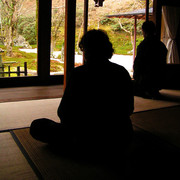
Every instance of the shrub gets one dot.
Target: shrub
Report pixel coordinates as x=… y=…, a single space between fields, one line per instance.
x=27 y=28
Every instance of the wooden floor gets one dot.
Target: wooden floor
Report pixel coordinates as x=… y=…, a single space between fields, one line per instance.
x=30 y=93
x=56 y=91
x=14 y=163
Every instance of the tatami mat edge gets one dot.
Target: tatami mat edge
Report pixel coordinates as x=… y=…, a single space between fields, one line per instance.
x=35 y=169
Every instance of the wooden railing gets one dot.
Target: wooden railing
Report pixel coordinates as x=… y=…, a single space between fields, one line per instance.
x=9 y=72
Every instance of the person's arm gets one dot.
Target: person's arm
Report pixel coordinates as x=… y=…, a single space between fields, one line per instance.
x=66 y=104
x=138 y=62
x=130 y=96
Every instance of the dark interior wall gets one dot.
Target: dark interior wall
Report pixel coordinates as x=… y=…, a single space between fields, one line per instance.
x=173 y=70
x=178 y=39
x=172 y=76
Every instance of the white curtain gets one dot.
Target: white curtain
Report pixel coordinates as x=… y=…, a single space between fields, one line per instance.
x=171 y=17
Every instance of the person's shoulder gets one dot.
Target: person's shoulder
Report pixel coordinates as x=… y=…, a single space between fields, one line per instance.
x=114 y=65
x=116 y=68
x=142 y=44
x=79 y=69
x=148 y=42
x=163 y=45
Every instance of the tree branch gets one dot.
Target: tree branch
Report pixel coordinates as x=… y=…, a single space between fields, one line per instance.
x=130 y=32
x=123 y=27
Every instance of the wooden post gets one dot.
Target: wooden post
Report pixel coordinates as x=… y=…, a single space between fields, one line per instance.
x=9 y=71
x=135 y=31
x=25 y=68
x=86 y=5
x=44 y=39
x=157 y=15
x=2 y=70
x=69 y=44
x=18 y=70
x=147 y=10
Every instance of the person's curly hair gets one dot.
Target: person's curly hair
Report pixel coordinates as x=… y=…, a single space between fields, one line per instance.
x=96 y=44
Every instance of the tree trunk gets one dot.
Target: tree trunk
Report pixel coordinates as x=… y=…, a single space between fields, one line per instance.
x=9 y=41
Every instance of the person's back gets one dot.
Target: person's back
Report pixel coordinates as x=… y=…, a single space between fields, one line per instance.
x=152 y=55
x=98 y=104
x=98 y=100
x=149 y=64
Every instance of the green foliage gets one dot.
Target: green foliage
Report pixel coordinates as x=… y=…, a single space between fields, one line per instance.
x=56 y=66
x=121 y=42
x=115 y=27
x=108 y=21
x=20 y=57
x=27 y=28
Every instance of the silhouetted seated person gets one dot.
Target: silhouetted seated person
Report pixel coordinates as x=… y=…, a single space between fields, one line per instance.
x=96 y=106
x=149 y=64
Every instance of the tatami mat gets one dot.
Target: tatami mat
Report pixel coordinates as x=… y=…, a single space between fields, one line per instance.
x=57 y=167
x=148 y=158
x=164 y=123
x=157 y=123
x=142 y=104
x=13 y=164
x=20 y=114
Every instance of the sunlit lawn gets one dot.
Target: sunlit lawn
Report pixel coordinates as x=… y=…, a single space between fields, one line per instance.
x=19 y=57
x=121 y=43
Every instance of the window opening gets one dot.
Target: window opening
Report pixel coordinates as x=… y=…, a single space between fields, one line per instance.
x=18 y=38
x=112 y=17
x=57 y=37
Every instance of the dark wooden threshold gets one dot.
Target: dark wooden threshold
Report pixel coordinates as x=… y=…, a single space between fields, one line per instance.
x=30 y=93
